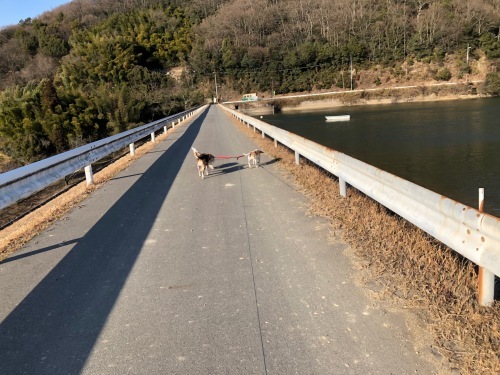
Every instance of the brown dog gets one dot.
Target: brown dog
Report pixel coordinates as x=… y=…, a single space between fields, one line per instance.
x=254 y=158
x=203 y=162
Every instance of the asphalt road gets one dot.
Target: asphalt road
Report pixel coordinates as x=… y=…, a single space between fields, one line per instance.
x=161 y=272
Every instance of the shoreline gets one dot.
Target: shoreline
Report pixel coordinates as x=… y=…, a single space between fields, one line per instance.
x=310 y=105
x=360 y=97
x=324 y=104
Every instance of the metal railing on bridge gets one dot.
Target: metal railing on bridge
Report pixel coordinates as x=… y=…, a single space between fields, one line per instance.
x=470 y=232
x=22 y=182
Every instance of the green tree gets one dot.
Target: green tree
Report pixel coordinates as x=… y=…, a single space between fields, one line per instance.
x=49 y=98
x=20 y=127
x=28 y=40
x=443 y=75
x=492 y=84
x=491 y=45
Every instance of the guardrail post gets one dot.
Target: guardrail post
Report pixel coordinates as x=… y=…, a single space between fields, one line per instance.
x=486 y=287
x=486 y=279
x=275 y=142
x=153 y=137
x=89 y=175
x=254 y=129
x=263 y=135
x=165 y=129
x=173 y=124
x=132 y=149
x=343 y=187
x=297 y=158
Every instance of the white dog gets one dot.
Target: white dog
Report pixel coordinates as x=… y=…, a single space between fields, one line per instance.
x=254 y=157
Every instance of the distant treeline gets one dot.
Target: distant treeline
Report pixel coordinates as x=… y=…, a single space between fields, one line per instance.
x=93 y=68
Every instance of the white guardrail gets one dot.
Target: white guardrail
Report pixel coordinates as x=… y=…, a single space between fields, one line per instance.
x=473 y=234
x=22 y=182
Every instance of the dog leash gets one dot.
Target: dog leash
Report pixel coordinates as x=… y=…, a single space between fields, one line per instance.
x=229 y=157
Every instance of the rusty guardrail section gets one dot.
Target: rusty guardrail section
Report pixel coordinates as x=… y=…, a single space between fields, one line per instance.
x=473 y=234
x=22 y=182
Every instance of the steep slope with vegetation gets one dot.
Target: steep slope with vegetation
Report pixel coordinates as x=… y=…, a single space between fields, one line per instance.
x=290 y=46
x=112 y=76
x=92 y=68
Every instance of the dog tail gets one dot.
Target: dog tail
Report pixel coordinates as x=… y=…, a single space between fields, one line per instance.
x=195 y=152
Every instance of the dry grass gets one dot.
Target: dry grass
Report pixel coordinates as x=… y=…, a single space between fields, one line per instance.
x=16 y=235
x=6 y=163
x=405 y=265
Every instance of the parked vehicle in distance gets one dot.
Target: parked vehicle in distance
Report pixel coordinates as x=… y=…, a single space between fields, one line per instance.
x=249 y=97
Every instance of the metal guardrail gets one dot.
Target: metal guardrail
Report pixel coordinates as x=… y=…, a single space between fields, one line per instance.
x=473 y=234
x=22 y=182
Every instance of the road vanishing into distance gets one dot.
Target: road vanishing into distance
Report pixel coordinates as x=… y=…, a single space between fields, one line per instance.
x=162 y=272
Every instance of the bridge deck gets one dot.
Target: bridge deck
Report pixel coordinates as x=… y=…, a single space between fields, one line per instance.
x=161 y=272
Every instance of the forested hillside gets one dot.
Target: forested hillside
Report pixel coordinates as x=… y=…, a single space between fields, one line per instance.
x=92 y=68
x=309 y=44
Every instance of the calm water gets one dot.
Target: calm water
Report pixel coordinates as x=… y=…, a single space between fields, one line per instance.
x=452 y=147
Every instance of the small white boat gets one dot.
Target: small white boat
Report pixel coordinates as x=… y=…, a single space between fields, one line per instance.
x=338 y=118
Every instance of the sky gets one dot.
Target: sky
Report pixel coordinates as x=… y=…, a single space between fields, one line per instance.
x=12 y=11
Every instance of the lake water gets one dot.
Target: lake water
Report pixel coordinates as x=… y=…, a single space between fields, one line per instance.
x=449 y=147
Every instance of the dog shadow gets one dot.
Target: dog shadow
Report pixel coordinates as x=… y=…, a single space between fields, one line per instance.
x=269 y=162
x=226 y=168
x=234 y=167
x=227 y=165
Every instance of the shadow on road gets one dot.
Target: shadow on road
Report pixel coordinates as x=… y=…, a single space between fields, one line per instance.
x=234 y=167
x=39 y=251
x=53 y=330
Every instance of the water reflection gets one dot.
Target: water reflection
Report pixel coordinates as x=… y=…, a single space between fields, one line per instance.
x=452 y=147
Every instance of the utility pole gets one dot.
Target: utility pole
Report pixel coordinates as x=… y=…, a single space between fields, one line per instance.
x=404 y=31
x=468 y=49
x=350 y=57
x=342 y=74
x=216 y=96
